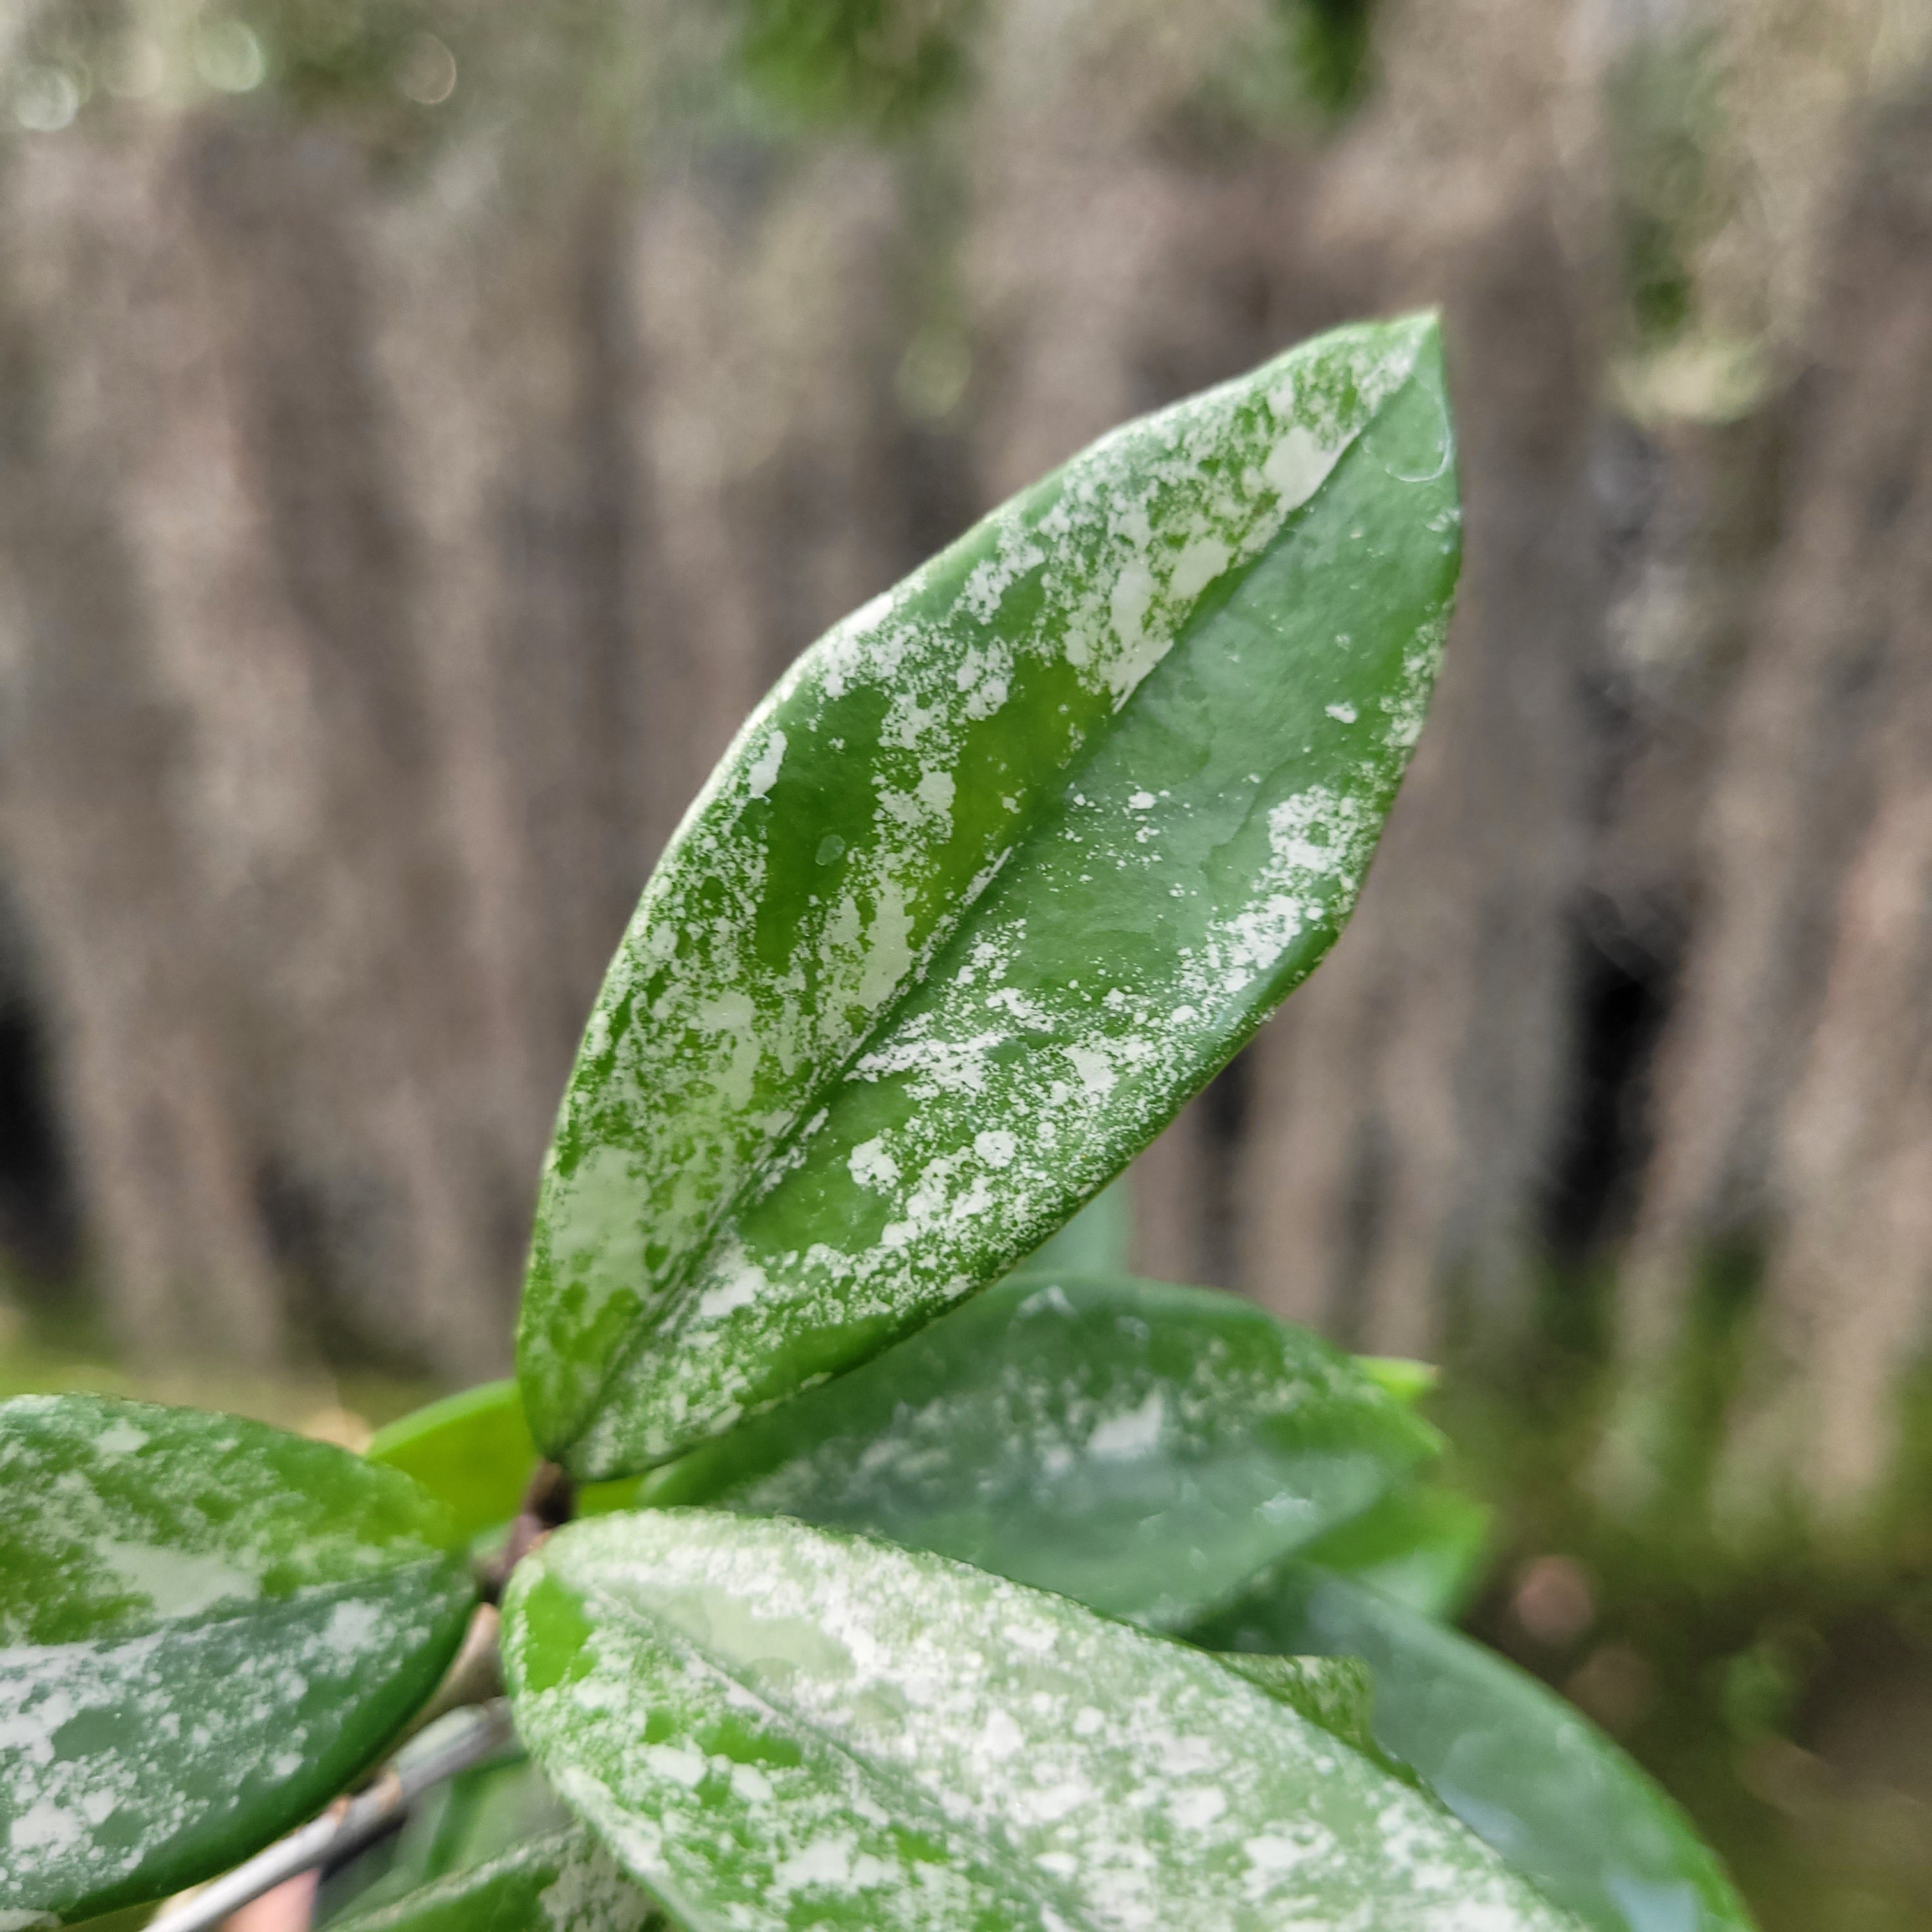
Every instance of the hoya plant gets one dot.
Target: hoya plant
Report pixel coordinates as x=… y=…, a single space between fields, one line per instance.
x=859 y=1544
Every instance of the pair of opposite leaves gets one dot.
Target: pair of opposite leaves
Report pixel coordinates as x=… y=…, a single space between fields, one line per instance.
x=1009 y=864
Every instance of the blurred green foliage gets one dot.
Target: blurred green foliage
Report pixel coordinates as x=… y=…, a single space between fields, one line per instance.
x=880 y=65
x=1329 y=43
x=1665 y=123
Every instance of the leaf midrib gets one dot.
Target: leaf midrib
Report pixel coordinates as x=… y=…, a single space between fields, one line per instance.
x=675 y=1294
x=234 y=1609
x=994 y=1854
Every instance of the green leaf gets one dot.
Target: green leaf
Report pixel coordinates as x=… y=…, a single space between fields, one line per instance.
x=1143 y=1448
x=1096 y=1241
x=775 y=1726
x=1423 y=1546
x=1521 y=1767
x=1336 y=1693
x=208 y=1627
x=563 y=1882
x=473 y=1452
x=1007 y=865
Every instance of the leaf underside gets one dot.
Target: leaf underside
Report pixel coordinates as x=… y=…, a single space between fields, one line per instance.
x=1007 y=867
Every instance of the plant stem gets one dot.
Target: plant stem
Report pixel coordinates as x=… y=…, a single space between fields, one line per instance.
x=460 y=1740
x=550 y=1501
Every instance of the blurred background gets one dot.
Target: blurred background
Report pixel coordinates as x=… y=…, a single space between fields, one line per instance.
x=426 y=426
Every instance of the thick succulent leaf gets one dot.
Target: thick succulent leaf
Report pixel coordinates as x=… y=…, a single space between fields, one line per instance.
x=775 y=1726
x=1521 y=1767
x=564 y=1881
x=473 y=1452
x=1423 y=1546
x=208 y=1627
x=1143 y=1448
x=1007 y=865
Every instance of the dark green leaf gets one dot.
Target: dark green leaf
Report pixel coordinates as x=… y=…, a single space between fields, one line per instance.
x=1424 y=1547
x=493 y=1850
x=1143 y=1448
x=775 y=1726
x=1007 y=866
x=1519 y=1766
x=208 y=1627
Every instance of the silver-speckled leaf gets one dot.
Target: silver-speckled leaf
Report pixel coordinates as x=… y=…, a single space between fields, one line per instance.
x=776 y=1726
x=208 y=1627
x=1142 y=1447
x=1006 y=866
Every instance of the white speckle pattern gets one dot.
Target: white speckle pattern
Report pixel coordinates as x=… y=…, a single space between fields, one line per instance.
x=173 y=1754
x=1086 y=1776
x=206 y=1626
x=773 y=1130
x=1143 y=1447
x=146 y=1514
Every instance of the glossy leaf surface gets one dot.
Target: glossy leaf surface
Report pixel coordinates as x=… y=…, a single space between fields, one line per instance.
x=1523 y=1767
x=207 y=1628
x=1421 y=1546
x=777 y=1727
x=1006 y=866
x=564 y=1881
x=1143 y=1448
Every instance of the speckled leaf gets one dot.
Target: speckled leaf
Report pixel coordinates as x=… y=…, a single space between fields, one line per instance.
x=775 y=1725
x=1335 y=1692
x=473 y=1452
x=1007 y=865
x=1143 y=1448
x=564 y=1881
x=1522 y=1767
x=207 y=1628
